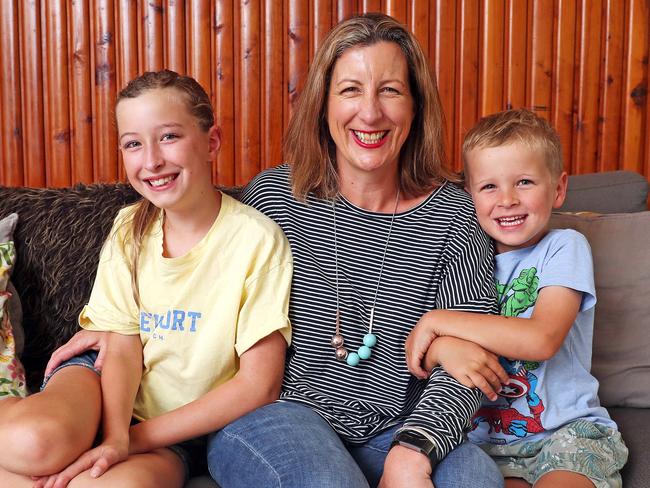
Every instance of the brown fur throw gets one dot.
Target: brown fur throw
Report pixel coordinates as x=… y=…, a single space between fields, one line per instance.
x=59 y=236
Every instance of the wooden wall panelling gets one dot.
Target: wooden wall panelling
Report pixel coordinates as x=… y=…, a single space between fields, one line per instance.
x=540 y=53
x=320 y=23
x=56 y=113
x=490 y=76
x=151 y=35
x=563 y=75
x=104 y=92
x=126 y=52
x=273 y=86
x=297 y=50
x=224 y=89
x=369 y=6
x=587 y=81
x=418 y=22
x=344 y=9
x=442 y=52
x=635 y=86
x=612 y=35
x=396 y=9
x=196 y=40
x=516 y=36
x=466 y=75
x=31 y=95
x=175 y=36
x=247 y=91
x=81 y=117
x=11 y=140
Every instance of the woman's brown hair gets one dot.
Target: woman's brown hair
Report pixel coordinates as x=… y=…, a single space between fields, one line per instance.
x=308 y=145
x=198 y=103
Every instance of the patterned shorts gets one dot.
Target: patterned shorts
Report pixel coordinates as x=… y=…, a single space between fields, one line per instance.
x=583 y=447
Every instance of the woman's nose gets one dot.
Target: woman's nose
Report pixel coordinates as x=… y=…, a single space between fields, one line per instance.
x=370 y=108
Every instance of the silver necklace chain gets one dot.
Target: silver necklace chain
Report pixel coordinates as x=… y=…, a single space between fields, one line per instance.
x=337 y=340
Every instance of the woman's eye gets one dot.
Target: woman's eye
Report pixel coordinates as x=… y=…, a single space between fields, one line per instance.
x=391 y=90
x=348 y=90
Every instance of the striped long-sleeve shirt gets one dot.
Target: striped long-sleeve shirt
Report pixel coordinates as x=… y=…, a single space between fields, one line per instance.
x=437 y=257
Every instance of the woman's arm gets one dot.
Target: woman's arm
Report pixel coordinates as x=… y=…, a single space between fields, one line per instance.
x=256 y=383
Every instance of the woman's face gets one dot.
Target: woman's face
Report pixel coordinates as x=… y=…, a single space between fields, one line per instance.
x=369 y=109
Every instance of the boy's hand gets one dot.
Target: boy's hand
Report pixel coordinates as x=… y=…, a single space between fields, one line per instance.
x=97 y=460
x=418 y=343
x=471 y=365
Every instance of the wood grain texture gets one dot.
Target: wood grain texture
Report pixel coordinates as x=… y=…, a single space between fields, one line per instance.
x=582 y=64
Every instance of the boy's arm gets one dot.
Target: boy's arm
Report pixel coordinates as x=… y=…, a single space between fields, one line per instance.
x=536 y=338
x=256 y=383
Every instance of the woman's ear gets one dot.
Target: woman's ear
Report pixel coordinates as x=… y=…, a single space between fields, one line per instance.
x=214 y=140
x=560 y=189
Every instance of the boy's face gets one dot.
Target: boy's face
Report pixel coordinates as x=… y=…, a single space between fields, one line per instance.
x=514 y=193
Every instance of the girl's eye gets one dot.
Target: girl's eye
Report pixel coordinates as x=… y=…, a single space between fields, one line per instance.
x=131 y=144
x=169 y=137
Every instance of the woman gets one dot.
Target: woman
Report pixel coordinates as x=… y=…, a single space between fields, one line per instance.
x=379 y=237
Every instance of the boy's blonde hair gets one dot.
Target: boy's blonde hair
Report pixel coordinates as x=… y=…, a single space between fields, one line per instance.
x=516 y=126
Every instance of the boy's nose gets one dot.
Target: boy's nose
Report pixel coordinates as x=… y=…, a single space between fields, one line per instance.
x=508 y=199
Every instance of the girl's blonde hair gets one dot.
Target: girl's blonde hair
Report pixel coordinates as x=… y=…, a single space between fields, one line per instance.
x=144 y=213
x=308 y=145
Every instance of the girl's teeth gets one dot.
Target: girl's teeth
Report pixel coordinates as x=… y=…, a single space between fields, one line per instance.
x=161 y=181
x=370 y=137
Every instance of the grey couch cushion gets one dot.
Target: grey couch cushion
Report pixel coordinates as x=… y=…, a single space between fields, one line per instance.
x=634 y=425
x=610 y=192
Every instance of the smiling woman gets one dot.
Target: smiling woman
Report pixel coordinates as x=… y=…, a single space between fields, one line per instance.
x=379 y=236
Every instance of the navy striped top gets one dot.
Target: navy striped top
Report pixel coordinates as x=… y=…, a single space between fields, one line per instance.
x=438 y=257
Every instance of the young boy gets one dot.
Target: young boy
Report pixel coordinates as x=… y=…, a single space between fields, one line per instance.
x=546 y=426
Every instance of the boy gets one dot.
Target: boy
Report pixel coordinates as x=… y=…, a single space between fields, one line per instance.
x=546 y=426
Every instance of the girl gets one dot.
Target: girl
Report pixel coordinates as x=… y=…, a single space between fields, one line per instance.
x=196 y=286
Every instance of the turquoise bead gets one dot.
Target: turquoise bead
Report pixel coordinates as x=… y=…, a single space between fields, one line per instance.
x=364 y=352
x=353 y=359
x=370 y=340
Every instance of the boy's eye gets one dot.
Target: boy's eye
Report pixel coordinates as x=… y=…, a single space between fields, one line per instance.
x=488 y=186
x=525 y=181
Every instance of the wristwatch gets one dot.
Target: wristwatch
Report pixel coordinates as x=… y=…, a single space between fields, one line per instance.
x=416 y=442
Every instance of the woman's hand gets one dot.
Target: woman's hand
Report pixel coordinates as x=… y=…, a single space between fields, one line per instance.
x=406 y=468
x=83 y=340
x=470 y=365
x=97 y=460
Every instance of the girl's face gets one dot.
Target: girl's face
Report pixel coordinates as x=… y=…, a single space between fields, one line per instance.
x=167 y=157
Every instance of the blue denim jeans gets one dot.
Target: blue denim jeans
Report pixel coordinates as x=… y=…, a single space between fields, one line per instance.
x=288 y=445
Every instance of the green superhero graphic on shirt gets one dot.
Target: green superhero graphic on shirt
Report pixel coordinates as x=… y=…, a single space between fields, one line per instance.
x=515 y=299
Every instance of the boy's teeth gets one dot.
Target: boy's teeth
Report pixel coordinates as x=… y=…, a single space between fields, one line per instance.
x=370 y=137
x=161 y=181
x=511 y=221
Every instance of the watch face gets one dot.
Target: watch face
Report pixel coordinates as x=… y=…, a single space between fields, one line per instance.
x=415 y=441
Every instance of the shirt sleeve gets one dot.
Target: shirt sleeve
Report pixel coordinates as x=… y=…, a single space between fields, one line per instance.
x=265 y=302
x=111 y=306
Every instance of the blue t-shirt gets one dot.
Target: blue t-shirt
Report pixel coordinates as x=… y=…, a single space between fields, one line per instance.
x=543 y=396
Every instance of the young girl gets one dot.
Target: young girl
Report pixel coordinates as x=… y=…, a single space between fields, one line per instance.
x=196 y=286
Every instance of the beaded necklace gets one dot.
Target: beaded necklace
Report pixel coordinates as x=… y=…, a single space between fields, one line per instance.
x=370 y=339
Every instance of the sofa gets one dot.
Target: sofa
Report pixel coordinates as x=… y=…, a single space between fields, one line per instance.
x=60 y=232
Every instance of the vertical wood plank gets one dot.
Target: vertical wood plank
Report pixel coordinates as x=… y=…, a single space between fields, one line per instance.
x=466 y=75
x=104 y=134
x=320 y=24
x=272 y=108
x=151 y=52
x=418 y=23
x=516 y=36
x=31 y=93
x=199 y=43
x=297 y=49
x=490 y=77
x=344 y=9
x=11 y=130
x=585 y=148
x=396 y=9
x=635 y=86
x=57 y=122
x=540 y=53
x=563 y=76
x=247 y=98
x=81 y=116
x=225 y=90
x=442 y=42
x=175 y=34
x=369 y=6
x=609 y=126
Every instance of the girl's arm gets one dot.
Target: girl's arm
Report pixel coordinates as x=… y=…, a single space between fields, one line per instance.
x=256 y=383
x=536 y=338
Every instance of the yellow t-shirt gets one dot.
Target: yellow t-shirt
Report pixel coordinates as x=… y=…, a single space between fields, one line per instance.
x=199 y=312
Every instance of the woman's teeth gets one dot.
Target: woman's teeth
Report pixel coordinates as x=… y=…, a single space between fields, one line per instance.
x=370 y=137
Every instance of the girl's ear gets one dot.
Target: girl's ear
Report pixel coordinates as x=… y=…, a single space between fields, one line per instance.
x=560 y=190
x=214 y=140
